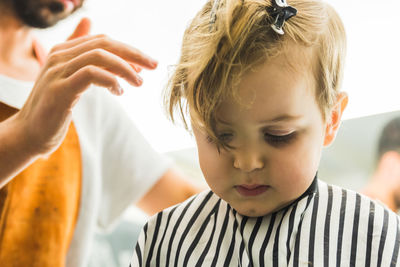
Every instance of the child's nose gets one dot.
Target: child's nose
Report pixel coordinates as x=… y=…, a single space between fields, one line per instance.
x=248 y=161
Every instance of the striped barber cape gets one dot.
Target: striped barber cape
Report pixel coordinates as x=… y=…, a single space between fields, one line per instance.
x=326 y=226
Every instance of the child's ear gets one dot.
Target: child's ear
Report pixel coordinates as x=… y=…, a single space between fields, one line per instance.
x=335 y=117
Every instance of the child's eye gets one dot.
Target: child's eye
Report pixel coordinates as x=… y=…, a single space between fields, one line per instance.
x=225 y=137
x=279 y=139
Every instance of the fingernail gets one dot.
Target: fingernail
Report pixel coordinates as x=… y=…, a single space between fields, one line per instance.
x=153 y=63
x=139 y=80
x=120 y=90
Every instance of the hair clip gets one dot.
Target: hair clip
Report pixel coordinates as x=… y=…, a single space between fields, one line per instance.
x=283 y=12
x=213 y=16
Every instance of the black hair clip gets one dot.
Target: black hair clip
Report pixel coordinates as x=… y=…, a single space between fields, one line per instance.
x=282 y=12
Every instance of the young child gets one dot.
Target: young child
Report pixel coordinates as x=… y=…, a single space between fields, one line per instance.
x=260 y=80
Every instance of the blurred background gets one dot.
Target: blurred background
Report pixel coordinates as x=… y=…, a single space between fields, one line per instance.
x=156 y=27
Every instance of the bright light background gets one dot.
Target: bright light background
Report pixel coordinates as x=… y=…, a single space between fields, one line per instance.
x=156 y=27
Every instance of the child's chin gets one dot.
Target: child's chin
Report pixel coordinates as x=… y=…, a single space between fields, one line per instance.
x=252 y=212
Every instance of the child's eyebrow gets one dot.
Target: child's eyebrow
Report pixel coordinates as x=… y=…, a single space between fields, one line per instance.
x=280 y=118
x=219 y=120
x=284 y=117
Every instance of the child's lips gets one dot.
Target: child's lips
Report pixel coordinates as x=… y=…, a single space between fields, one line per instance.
x=251 y=190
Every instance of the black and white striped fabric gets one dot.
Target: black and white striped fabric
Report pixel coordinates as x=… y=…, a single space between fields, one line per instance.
x=326 y=226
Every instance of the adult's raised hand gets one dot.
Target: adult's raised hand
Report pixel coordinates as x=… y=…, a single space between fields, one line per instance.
x=71 y=67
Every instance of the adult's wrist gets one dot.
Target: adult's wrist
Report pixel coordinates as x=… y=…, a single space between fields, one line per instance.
x=24 y=142
x=16 y=153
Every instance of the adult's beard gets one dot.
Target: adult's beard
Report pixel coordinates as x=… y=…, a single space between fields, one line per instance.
x=31 y=12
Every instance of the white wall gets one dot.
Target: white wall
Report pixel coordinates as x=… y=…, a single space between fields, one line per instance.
x=156 y=27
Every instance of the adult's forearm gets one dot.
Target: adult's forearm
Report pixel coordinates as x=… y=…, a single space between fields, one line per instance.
x=170 y=189
x=15 y=151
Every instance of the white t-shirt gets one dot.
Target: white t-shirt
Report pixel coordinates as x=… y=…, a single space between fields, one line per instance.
x=326 y=226
x=118 y=165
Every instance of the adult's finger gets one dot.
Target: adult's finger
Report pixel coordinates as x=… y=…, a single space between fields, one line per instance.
x=74 y=42
x=124 y=51
x=136 y=68
x=105 y=60
x=82 y=29
x=88 y=75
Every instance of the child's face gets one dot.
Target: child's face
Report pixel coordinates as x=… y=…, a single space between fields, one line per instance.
x=277 y=137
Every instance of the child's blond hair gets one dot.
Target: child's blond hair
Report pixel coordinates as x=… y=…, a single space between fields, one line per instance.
x=216 y=54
